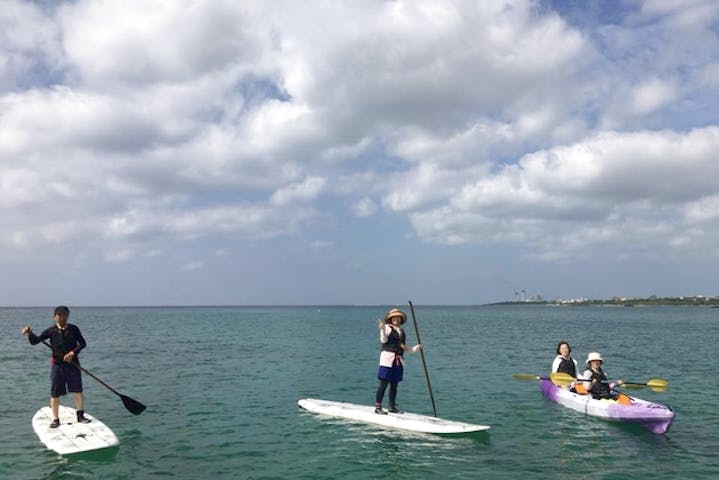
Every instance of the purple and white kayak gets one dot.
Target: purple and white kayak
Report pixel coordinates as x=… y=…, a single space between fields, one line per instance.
x=654 y=417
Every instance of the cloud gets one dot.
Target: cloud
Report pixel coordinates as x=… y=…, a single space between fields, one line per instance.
x=365 y=207
x=192 y=266
x=145 y=124
x=622 y=190
x=423 y=185
x=134 y=49
x=322 y=244
x=120 y=256
x=256 y=221
x=305 y=191
x=651 y=95
x=29 y=46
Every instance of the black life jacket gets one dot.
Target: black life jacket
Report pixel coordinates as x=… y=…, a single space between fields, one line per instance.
x=601 y=388
x=395 y=342
x=62 y=341
x=567 y=366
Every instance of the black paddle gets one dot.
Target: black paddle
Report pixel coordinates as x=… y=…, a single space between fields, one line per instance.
x=424 y=363
x=132 y=405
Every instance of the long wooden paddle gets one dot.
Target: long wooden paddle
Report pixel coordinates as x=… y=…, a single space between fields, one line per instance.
x=132 y=405
x=424 y=363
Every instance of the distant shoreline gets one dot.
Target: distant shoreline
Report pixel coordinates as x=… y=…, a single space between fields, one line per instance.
x=614 y=302
x=701 y=301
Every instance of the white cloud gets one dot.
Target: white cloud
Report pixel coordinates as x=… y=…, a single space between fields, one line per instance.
x=246 y=220
x=421 y=186
x=29 y=45
x=365 y=207
x=138 y=123
x=305 y=191
x=322 y=244
x=623 y=190
x=709 y=76
x=703 y=210
x=155 y=42
x=192 y=266
x=120 y=256
x=651 y=95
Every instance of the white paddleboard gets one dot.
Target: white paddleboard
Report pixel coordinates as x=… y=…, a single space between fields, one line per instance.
x=404 y=421
x=72 y=436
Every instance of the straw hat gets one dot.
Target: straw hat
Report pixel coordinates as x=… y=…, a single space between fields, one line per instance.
x=395 y=312
x=594 y=356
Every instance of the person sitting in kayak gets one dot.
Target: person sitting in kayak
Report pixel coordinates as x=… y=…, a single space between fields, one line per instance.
x=596 y=381
x=391 y=362
x=563 y=363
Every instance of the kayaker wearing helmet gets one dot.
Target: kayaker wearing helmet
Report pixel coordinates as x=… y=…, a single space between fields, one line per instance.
x=563 y=362
x=391 y=362
x=597 y=383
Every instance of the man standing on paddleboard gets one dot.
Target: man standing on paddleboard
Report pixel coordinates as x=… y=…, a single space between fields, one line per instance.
x=66 y=342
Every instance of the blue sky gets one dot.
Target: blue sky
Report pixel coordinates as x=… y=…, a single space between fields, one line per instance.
x=368 y=152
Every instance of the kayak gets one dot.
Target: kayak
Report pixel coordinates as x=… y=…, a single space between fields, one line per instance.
x=654 y=417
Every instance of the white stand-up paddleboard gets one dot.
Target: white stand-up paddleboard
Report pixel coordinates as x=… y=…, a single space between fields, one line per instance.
x=404 y=421
x=72 y=436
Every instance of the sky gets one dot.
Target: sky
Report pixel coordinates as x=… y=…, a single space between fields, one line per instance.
x=357 y=153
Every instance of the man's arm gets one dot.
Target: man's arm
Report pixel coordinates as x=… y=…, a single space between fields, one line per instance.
x=35 y=339
x=81 y=343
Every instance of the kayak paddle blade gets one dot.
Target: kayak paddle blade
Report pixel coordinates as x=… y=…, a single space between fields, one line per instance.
x=561 y=378
x=657 y=383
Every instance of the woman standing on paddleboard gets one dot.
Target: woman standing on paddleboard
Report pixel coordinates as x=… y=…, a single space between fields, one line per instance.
x=391 y=361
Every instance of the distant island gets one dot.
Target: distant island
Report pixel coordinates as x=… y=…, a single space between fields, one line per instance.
x=696 y=300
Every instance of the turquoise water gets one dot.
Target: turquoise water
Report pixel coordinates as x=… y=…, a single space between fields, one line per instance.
x=221 y=386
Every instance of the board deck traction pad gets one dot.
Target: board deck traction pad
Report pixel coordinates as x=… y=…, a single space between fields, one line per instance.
x=72 y=436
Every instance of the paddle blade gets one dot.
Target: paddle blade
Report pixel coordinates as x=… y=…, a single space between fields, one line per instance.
x=658 y=383
x=561 y=378
x=655 y=384
x=525 y=376
x=132 y=405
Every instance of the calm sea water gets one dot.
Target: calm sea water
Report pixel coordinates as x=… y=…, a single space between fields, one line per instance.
x=221 y=386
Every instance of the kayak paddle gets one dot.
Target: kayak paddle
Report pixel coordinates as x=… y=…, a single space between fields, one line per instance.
x=561 y=378
x=528 y=376
x=558 y=378
x=554 y=377
x=656 y=384
x=132 y=405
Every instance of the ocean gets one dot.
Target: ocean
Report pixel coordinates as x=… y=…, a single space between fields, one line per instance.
x=221 y=386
